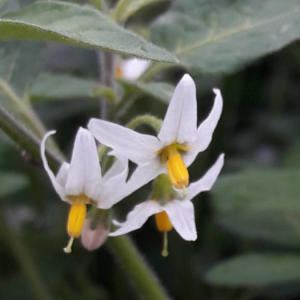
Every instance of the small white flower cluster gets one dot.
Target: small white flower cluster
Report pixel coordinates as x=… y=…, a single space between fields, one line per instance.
x=172 y=151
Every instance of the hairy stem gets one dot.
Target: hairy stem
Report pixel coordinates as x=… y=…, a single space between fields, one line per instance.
x=107 y=71
x=143 y=278
x=149 y=120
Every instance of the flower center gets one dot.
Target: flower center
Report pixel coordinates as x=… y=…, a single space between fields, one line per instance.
x=177 y=171
x=118 y=72
x=76 y=218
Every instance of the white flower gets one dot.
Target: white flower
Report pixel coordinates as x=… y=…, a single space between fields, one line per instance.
x=132 y=68
x=175 y=212
x=80 y=182
x=178 y=142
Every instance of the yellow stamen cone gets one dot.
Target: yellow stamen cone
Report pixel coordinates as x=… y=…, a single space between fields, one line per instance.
x=177 y=171
x=76 y=219
x=119 y=72
x=163 y=222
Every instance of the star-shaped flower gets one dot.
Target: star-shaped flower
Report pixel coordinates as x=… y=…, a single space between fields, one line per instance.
x=173 y=211
x=80 y=182
x=178 y=142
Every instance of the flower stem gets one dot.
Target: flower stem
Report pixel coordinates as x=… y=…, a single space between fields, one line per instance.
x=149 y=120
x=144 y=279
x=25 y=139
x=107 y=71
x=156 y=68
x=24 y=108
x=25 y=261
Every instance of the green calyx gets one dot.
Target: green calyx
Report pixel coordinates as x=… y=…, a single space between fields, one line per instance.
x=162 y=189
x=98 y=215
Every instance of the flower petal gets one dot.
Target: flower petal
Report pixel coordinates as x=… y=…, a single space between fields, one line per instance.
x=58 y=188
x=138 y=216
x=207 y=181
x=141 y=176
x=85 y=172
x=62 y=174
x=180 y=123
x=139 y=148
x=206 y=129
x=112 y=189
x=182 y=217
x=133 y=68
x=118 y=166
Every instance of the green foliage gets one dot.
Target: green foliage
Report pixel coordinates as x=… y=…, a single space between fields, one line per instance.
x=158 y=90
x=126 y=8
x=260 y=204
x=11 y=183
x=58 y=87
x=256 y=270
x=222 y=36
x=77 y=25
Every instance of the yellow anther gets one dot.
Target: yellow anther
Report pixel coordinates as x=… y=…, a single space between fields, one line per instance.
x=76 y=219
x=119 y=72
x=164 y=225
x=163 y=222
x=177 y=171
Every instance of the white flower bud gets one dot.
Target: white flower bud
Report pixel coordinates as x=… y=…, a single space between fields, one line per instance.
x=93 y=239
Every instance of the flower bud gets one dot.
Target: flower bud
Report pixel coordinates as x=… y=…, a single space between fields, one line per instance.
x=92 y=239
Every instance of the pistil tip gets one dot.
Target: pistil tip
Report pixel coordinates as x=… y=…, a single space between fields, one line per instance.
x=68 y=248
x=165 y=251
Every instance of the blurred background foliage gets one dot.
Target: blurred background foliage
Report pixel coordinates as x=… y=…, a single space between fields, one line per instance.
x=248 y=226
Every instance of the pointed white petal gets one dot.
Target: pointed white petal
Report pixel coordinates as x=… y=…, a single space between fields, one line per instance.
x=112 y=189
x=182 y=217
x=85 y=172
x=58 y=188
x=206 y=129
x=113 y=192
x=139 y=148
x=137 y=217
x=62 y=174
x=207 y=181
x=180 y=123
x=133 y=68
x=141 y=176
x=120 y=164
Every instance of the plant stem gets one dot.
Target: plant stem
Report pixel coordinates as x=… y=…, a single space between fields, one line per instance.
x=143 y=278
x=107 y=71
x=149 y=120
x=25 y=139
x=156 y=68
x=25 y=261
x=25 y=109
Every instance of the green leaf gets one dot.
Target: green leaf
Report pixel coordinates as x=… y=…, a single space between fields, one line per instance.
x=158 y=90
x=256 y=270
x=77 y=25
x=20 y=63
x=260 y=204
x=11 y=183
x=126 y=8
x=223 y=36
x=58 y=87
